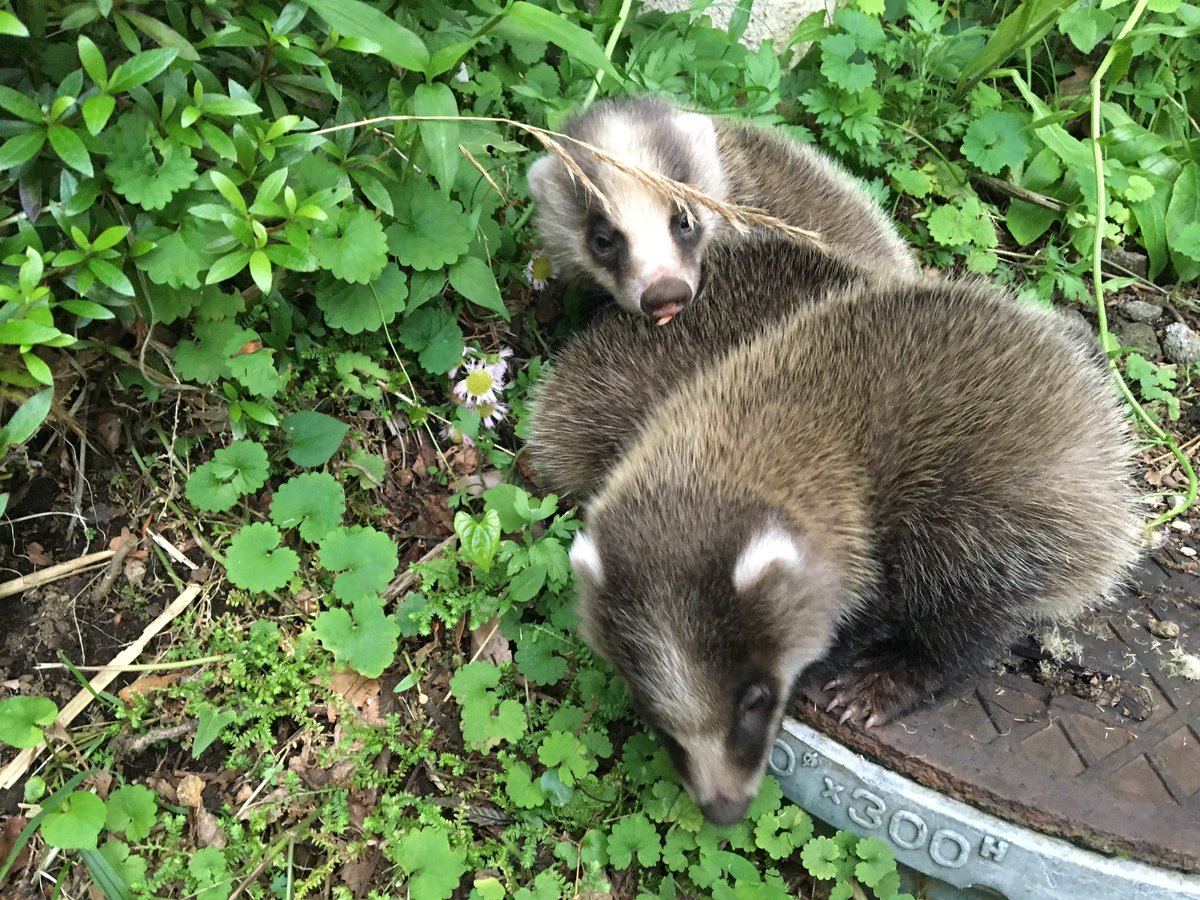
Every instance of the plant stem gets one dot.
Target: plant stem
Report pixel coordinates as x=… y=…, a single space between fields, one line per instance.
x=609 y=47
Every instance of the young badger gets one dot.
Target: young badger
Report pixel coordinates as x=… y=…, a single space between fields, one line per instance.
x=648 y=253
x=894 y=483
x=610 y=377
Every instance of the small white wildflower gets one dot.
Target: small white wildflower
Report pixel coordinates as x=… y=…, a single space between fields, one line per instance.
x=462 y=76
x=478 y=386
x=538 y=271
x=492 y=414
x=452 y=435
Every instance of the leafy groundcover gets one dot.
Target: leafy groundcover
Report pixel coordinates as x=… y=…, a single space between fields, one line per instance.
x=271 y=309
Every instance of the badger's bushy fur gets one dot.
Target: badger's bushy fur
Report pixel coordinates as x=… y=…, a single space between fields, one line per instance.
x=894 y=483
x=645 y=251
x=611 y=376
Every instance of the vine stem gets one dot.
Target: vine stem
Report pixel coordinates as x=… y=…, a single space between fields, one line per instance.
x=609 y=47
x=1098 y=279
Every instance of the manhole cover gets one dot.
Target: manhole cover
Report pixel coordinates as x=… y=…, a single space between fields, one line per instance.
x=1103 y=750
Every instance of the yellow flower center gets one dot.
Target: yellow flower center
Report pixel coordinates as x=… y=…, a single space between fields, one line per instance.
x=479 y=382
x=541 y=268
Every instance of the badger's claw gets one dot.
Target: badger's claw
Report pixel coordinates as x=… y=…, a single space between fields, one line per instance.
x=871 y=697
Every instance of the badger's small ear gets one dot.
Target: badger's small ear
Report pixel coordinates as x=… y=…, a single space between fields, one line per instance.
x=770 y=547
x=585 y=559
x=541 y=176
x=698 y=127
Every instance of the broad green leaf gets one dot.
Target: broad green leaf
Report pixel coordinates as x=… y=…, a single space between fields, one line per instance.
x=473 y=278
x=20 y=105
x=1183 y=210
x=440 y=139
x=434 y=869
x=162 y=34
x=110 y=237
x=11 y=25
x=140 y=68
x=38 y=369
x=433 y=333
x=132 y=811
x=315 y=437
x=480 y=538
x=365 y=558
x=260 y=271
x=396 y=43
x=1021 y=28
x=227 y=266
x=112 y=869
x=96 y=111
x=76 y=824
x=314 y=502
x=997 y=141
x=523 y=20
x=27 y=332
x=229 y=106
x=431 y=232
x=110 y=276
x=634 y=834
x=21 y=148
x=364 y=639
x=256 y=561
x=1086 y=26
x=355 y=308
x=227 y=189
x=233 y=472
x=356 y=251
x=23 y=718
x=93 y=61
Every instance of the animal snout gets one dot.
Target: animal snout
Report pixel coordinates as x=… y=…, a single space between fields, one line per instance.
x=722 y=810
x=666 y=297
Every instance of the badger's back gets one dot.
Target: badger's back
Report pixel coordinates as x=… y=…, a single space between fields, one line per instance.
x=618 y=370
x=806 y=188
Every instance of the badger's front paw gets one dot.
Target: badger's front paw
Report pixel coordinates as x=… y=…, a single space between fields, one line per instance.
x=870 y=696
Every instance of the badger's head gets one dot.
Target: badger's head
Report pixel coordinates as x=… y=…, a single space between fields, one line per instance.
x=710 y=651
x=643 y=249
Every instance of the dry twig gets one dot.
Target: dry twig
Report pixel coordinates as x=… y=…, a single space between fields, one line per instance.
x=54 y=573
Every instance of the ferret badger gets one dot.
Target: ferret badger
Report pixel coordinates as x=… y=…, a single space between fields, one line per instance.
x=893 y=484
x=610 y=377
x=647 y=254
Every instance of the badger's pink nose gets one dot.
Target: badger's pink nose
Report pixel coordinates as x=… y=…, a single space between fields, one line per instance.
x=666 y=297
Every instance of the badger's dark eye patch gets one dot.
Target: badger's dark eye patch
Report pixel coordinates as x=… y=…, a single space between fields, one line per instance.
x=685 y=227
x=604 y=241
x=756 y=700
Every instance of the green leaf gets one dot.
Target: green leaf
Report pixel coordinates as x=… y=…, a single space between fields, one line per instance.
x=354 y=18
x=110 y=276
x=110 y=237
x=70 y=149
x=538 y=657
x=1027 y=222
x=1187 y=241
x=357 y=251
x=1086 y=26
x=26 y=420
x=211 y=722
x=315 y=437
x=1021 y=28
x=37 y=368
x=27 y=332
x=955 y=224
x=440 y=139
x=77 y=823
x=566 y=753
x=260 y=271
x=21 y=148
x=11 y=25
x=233 y=471
x=355 y=308
x=227 y=189
x=821 y=856
x=522 y=20
x=365 y=640
x=434 y=334
x=365 y=558
x=314 y=502
x=634 y=834
x=20 y=105
x=132 y=811
x=836 y=66
x=1182 y=211
x=227 y=266
x=997 y=140
x=877 y=861
x=137 y=172
x=521 y=788
x=480 y=539
x=208 y=867
x=434 y=869
x=162 y=34
x=23 y=718
x=473 y=278
x=140 y=68
x=255 y=560
x=93 y=61
x=431 y=232
x=114 y=870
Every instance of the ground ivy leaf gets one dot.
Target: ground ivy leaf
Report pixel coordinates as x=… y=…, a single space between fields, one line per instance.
x=431 y=232
x=836 y=51
x=22 y=720
x=955 y=224
x=538 y=659
x=366 y=558
x=433 y=867
x=634 y=834
x=486 y=723
x=363 y=639
x=433 y=333
x=256 y=372
x=996 y=141
x=521 y=788
x=76 y=824
x=238 y=469
x=134 y=166
x=355 y=308
x=132 y=810
x=356 y=251
x=314 y=502
x=208 y=867
x=255 y=561
x=563 y=751
x=473 y=278
x=315 y=437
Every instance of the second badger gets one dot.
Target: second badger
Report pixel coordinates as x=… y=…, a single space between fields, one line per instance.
x=894 y=483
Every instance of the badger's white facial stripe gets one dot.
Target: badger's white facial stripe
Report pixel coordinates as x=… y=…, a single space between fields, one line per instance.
x=585 y=558
x=540 y=176
x=771 y=546
x=710 y=773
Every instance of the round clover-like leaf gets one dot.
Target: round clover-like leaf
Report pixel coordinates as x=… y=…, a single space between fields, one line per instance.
x=255 y=560
x=315 y=437
x=23 y=718
x=232 y=472
x=357 y=251
x=355 y=308
x=132 y=809
x=434 y=868
x=431 y=233
x=76 y=824
x=314 y=502
x=366 y=559
x=997 y=140
x=363 y=639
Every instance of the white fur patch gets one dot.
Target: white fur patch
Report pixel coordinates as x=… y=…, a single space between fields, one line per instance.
x=771 y=546
x=585 y=558
x=540 y=177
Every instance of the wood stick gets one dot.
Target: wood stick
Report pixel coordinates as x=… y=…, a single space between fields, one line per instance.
x=19 y=766
x=53 y=573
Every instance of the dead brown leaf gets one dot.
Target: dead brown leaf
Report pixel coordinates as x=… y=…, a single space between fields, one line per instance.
x=37 y=555
x=359 y=875
x=147 y=684
x=488 y=643
x=9 y=833
x=207 y=829
x=190 y=791
x=362 y=693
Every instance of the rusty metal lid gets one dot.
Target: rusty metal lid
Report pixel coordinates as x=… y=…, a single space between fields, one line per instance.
x=1103 y=749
